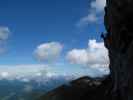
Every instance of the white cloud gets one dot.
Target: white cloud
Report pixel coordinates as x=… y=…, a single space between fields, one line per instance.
x=90 y=18
x=48 y=51
x=78 y=56
x=4 y=74
x=96 y=7
x=42 y=73
x=4 y=33
x=95 y=55
x=28 y=73
x=20 y=71
x=39 y=74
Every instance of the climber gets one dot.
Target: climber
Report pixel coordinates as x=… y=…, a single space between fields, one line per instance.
x=107 y=39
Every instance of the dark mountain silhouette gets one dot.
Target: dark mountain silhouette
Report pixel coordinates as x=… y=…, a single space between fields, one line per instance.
x=81 y=89
x=118 y=40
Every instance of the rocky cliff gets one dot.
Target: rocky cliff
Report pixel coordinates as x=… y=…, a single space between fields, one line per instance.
x=118 y=40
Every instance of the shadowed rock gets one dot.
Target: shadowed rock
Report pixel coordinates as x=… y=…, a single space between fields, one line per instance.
x=81 y=89
x=119 y=42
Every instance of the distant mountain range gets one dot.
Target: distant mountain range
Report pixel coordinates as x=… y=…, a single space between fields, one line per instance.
x=24 y=89
x=28 y=82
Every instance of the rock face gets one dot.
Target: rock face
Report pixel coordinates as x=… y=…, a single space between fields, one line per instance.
x=119 y=42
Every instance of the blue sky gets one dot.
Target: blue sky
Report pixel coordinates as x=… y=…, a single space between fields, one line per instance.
x=37 y=21
x=71 y=23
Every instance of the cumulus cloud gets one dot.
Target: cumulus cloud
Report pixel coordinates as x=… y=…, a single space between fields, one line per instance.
x=95 y=55
x=4 y=33
x=96 y=7
x=48 y=51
